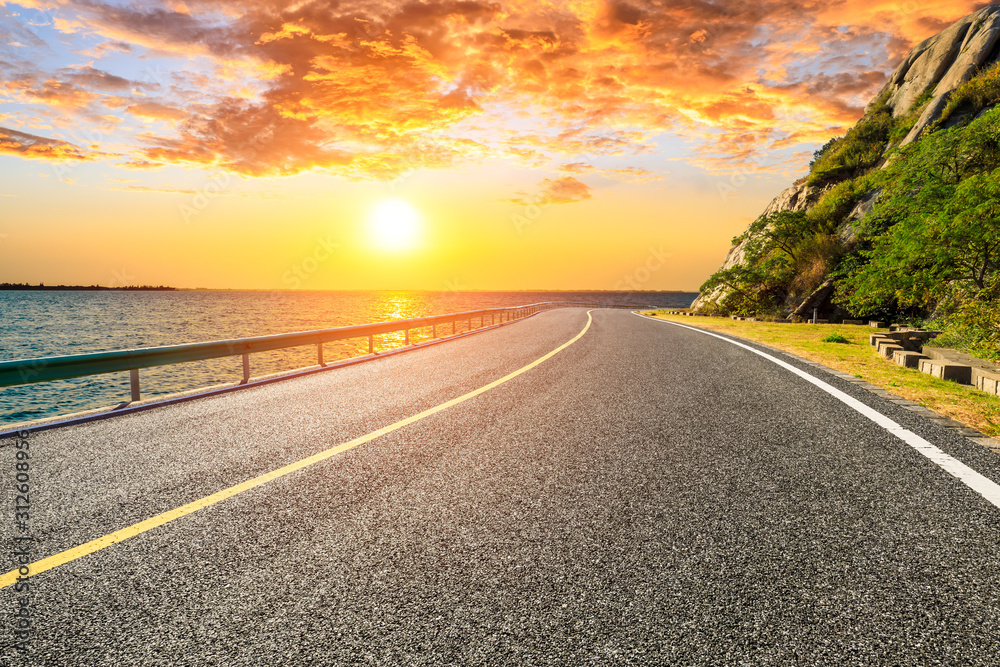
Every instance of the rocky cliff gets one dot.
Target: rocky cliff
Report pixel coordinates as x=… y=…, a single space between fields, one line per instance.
x=798 y=197
x=924 y=82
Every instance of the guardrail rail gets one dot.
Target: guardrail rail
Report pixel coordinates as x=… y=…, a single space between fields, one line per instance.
x=46 y=369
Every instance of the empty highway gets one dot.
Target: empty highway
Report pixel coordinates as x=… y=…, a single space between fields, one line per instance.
x=646 y=495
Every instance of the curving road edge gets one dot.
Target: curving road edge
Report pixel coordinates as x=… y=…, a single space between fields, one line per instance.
x=974 y=480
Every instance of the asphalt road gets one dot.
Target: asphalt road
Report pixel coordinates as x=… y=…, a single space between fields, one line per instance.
x=650 y=495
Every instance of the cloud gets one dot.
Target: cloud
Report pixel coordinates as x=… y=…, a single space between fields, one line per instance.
x=104 y=48
x=96 y=79
x=156 y=111
x=372 y=89
x=576 y=168
x=565 y=190
x=32 y=146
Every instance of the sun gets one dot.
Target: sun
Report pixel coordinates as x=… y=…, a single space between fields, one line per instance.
x=395 y=225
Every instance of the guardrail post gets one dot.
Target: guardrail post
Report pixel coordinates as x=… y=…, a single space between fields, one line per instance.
x=406 y=341
x=470 y=324
x=319 y=353
x=371 y=345
x=133 y=376
x=453 y=325
x=246 y=368
x=434 y=331
x=482 y=319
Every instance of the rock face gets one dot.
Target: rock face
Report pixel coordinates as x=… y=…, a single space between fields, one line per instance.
x=936 y=66
x=941 y=64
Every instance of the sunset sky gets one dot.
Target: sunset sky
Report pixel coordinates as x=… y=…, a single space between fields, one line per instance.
x=424 y=145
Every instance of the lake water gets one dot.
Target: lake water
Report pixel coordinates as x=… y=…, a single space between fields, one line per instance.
x=43 y=324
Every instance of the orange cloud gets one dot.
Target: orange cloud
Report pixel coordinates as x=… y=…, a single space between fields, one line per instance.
x=565 y=190
x=363 y=88
x=32 y=146
x=156 y=111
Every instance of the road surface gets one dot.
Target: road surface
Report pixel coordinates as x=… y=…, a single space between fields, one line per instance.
x=647 y=495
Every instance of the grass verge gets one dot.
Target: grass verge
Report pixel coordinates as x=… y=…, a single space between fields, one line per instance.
x=961 y=403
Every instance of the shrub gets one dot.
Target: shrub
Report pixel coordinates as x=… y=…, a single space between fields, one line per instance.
x=835 y=338
x=836 y=204
x=974 y=95
x=973 y=325
x=857 y=151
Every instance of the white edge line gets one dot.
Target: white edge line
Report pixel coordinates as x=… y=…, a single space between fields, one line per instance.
x=982 y=485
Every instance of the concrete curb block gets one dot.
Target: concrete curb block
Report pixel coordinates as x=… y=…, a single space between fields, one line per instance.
x=909 y=359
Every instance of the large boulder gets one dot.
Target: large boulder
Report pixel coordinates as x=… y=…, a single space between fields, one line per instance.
x=939 y=65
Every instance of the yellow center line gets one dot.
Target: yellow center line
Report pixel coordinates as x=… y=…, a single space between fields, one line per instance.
x=92 y=546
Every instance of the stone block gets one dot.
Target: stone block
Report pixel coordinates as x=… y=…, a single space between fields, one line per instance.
x=889 y=349
x=873 y=339
x=960 y=373
x=908 y=359
x=861 y=322
x=988 y=382
x=878 y=325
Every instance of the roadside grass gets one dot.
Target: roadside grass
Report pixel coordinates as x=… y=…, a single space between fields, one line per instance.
x=961 y=403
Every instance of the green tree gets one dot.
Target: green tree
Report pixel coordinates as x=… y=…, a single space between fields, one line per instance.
x=947 y=234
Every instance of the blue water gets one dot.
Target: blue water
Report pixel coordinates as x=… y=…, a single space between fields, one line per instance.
x=43 y=324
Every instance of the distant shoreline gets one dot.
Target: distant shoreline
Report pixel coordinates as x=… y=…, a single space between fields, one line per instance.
x=41 y=287
x=164 y=288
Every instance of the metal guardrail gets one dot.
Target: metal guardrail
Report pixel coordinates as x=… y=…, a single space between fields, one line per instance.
x=47 y=369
